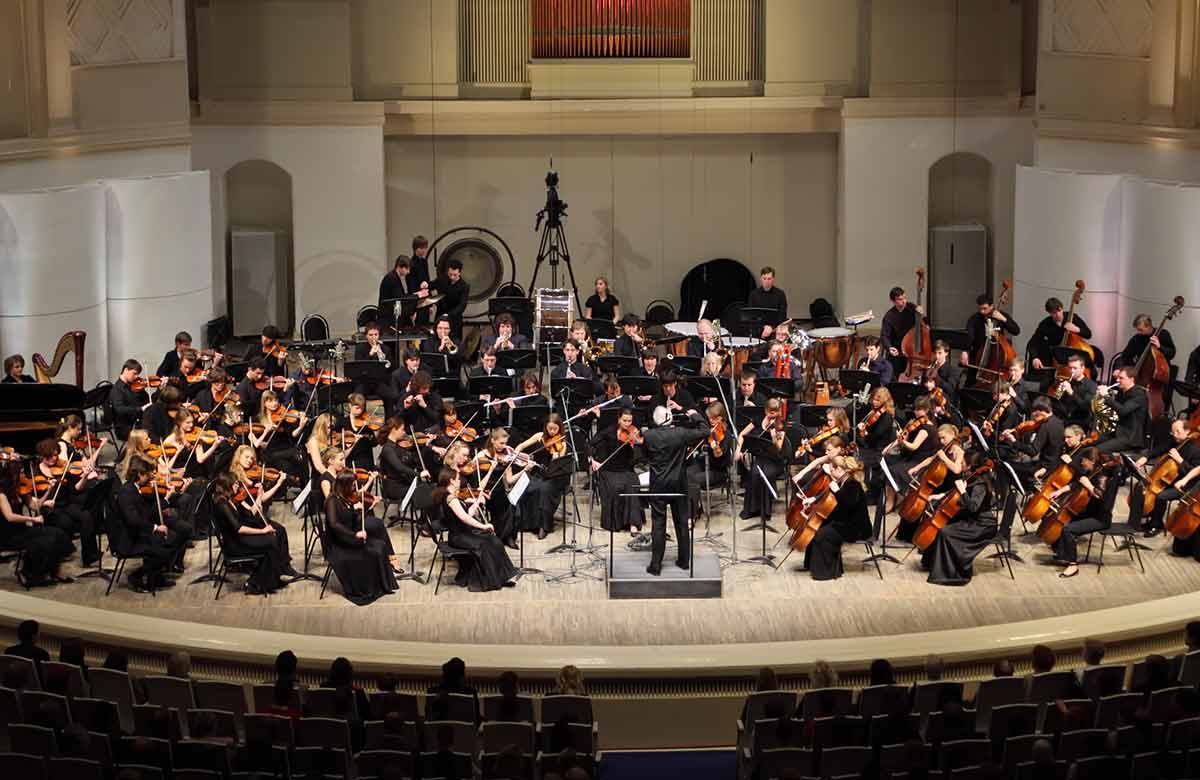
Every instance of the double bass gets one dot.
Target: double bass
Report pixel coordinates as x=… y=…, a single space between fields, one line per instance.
x=997 y=350
x=947 y=509
x=917 y=344
x=1152 y=371
x=1062 y=373
x=1040 y=503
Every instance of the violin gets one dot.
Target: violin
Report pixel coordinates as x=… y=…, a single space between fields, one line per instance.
x=917 y=344
x=556 y=445
x=809 y=445
x=271 y=383
x=422 y=439
x=9 y=455
x=276 y=350
x=631 y=436
x=715 y=438
x=141 y=383
x=325 y=378
x=1027 y=426
x=1040 y=503
x=192 y=409
x=364 y=476
x=359 y=423
x=1184 y=521
x=195 y=375
x=282 y=415
x=161 y=485
x=89 y=441
x=870 y=420
x=916 y=500
x=1069 y=508
x=157 y=451
x=207 y=438
x=471 y=468
x=908 y=429
x=989 y=425
x=947 y=509
x=347 y=439
x=459 y=430
x=259 y=474
x=219 y=397
x=938 y=398
x=40 y=484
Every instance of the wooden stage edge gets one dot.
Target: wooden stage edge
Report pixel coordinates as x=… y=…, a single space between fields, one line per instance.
x=1157 y=619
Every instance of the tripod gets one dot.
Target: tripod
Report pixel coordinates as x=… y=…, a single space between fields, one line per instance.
x=553 y=244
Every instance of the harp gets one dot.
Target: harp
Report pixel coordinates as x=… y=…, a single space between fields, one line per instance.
x=71 y=341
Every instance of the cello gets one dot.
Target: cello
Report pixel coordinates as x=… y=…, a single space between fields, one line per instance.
x=947 y=509
x=916 y=500
x=1161 y=477
x=1062 y=373
x=917 y=344
x=1069 y=508
x=1184 y=521
x=1042 y=502
x=1152 y=371
x=997 y=350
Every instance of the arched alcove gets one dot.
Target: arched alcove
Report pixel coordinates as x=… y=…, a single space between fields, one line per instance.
x=258 y=242
x=960 y=236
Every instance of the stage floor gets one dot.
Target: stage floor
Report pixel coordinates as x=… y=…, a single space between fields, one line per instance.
x=759 y=604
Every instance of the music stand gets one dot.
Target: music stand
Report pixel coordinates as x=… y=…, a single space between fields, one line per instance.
x=688 y=365
x=602 y=329
x=854 y=381
x=1043 y=377
x=904 y=393
x=955 y=338
x=619 y=365
x=778 y=387
x=447 y=386
x=812 y=415
x=437 y=362
x=518 y=360
x=975 y=399
x=745 y=415
x=637 y=386
x=367 y=372
x=530 y=418
x=755 y=317
x=237 y=371
x=494 y=386
x=761 y=447
x=579 y=390
x=706 y=387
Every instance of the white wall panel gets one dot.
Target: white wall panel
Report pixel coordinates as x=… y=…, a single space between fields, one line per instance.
x=143 y=329
x=40 y=333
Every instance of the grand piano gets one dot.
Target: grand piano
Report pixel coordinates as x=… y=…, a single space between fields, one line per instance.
x=30 y=412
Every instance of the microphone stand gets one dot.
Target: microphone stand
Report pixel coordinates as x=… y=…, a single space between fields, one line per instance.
x=573 y=572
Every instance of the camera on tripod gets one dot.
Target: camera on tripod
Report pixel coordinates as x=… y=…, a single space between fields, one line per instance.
x=555 y=208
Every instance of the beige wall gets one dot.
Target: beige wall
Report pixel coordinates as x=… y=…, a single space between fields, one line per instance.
x=405 y=48
x=815 y=47
x=275 y=50
x=642 y=211
x=14 y=109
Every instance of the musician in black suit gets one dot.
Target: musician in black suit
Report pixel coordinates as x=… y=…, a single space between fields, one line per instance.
x=420 y=405
x=269 y=350
x=171 y=360
x=1075 y=394
x=375 y=348
x=1131 y=405
x=649 y=364
x=673 y=395
x=400 y=283
x=946 y=374
x=977 y=327
x=768 y=296
x=410 y=363
x=506 y=336
x=748 y=393
x=127 y=405
x=456 y=293
x=666 y=448
x=444 y=343
x=629 y=343
x=876 y=361
x=248 y=390
x=897 y=322
x=1051 y=331
x=571 y=367
x=151 y=538
x=1143 y=337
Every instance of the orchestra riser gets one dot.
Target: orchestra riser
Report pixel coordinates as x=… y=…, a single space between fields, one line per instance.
x=757 y=604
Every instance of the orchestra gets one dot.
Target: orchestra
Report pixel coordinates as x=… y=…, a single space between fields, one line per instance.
x=1051 y=442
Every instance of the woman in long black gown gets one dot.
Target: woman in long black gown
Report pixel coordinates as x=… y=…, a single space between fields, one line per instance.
x=492 y=569
x=535 y=512
x=916 y=442
x=245 y=532
x=952 y=455
x=500 y=510
x=612 y=471
x=359 y=551
x=45 y=546
x=848 y=522
x=950 y=558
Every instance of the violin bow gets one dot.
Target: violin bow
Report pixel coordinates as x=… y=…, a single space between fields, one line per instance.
x=417 y=447
x=63 y=478
x=466 y=425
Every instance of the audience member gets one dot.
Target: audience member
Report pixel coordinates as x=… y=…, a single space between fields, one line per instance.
x=882 y=672
x=569 y=682
x=1093 y=652
x=286 y=665
x=1043 y=659
x=1002 y=668
x=934 y=668
x=1192 y=636
x=27 y=646
x=71 y=651
x=179 y=665
x=283 y=700
x=16 y=678
x=454 y=680
x=823 y=675
x=509 y=707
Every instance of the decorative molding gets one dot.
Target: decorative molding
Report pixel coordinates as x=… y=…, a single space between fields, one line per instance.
x=287 y=112
x=676 y=116
x=1122 y=28
x=895 y=107
x=78 y=143
x=611 y=78
x=106 y=31
x=1116 y=132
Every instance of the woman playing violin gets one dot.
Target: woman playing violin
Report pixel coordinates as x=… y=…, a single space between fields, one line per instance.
x=45 y=547
x=613 y=451
x=320 y=439
x=835 y=446
x=193 y=449
x=245 y=531
x=398 y=460
x=72 y=441
x=1003 y=416
x=847 y=523
x=537 y=506
x=500 y=511
x=358 y=545
x=837 y=423
x=876 y=430
x=253 y=478
x=717 y=449
x=492 y=569
x=279 y=435
x=915 y=443
x=950 y=558
x=361 y=453
x=160 y=417
x=63 y=501
x=772 y=461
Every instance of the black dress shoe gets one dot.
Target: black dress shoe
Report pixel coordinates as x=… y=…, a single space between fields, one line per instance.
x=681 y=564
x=655 y=570
x=512 y=544
x=1152 y=532
x=177 y=568
x=542 y=533
x=746 y=515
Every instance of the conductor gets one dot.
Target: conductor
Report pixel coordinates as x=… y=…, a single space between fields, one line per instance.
x=666 y=448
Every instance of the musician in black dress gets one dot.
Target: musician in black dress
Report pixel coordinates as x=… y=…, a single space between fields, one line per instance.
x=1096 y=516
x=915 y=443
x=45 y=547
x=1130 y=404
x=951 y=453
x=357 y=544
x=456 y=293
x=538 y=505
x=766 y=468
x=612 y=458
x=977 y=329
x=127 y=405
x=1051 y=331
x=63 y=504
x=361 y=453
x=630 y=342
x=897 y=322
x=666 y=447
x=950 y=558
x=1186 y=454
x=491 y=569
x=193 y=459
x=710 y=466
x=876 y=361
x=876 y=430
x=499 y=507
x=14 y=371
x=272 y=352
x=506 y=336
x=443 y=343
x=602 y=304
x=768 y=296
x=245 y=531
x=398 y=461
x=148 y=535
x=277 y=441
x=847 y=523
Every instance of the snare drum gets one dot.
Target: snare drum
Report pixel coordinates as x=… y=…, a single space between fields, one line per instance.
x=552 y=311
x=833 y=347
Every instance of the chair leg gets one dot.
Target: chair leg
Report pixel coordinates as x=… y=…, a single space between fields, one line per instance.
x=1003 y=553
x=441 y=571
x=1135 y=555
x=1100 y=563
x=871 y=557
x=325 y=580
x=221 y=569
x=117 y=572
x=1087 y=556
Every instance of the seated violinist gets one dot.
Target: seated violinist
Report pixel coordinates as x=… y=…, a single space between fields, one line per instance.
x=272 y=351
x=277 y=436
x=252 y=386
x=159 y=418
x=253 y=477
x=189 y=377
x=612 y=458
x=358 y=545
x=833 y=447
x=538 y=504
x=245 y=531
x=128 y=399
x=944 y=374
x=190 y=459
x=1003 y=416
x=712 y=469
x=1037 y=451
x=772 y=464
x=217 y=393
x=398 y=462
x=169 y=365
x=44 y=547
x=63 y=501
x=149 y=536
x=363 y=427
x=1186 y=455
x=837 y=423
x=14 y=371
x=848 y=522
